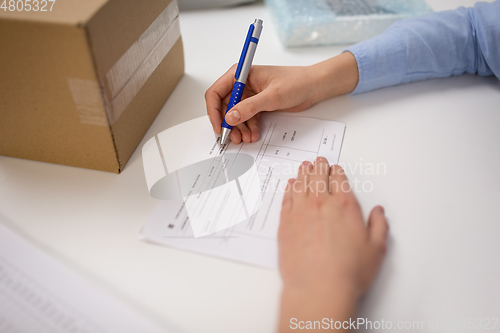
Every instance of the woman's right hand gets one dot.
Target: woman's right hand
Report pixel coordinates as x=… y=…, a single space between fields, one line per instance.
x=277 y=88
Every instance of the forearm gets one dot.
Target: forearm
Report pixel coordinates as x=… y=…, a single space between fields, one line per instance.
x=335 y=76
x=437 y=45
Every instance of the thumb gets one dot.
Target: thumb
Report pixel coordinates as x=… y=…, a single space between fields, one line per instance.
x=378 y=229
x=248 y=108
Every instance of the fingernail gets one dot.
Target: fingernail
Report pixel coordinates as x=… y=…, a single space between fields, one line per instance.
x=233 y=116
x=319 y=159
x=382 y=210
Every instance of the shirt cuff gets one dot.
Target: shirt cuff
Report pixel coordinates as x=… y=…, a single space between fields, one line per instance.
x=381 y=62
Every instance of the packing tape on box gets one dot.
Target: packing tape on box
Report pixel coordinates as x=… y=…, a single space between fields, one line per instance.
x=115 y=108
x=103 y=107
x=124 y=68
x=88 y=100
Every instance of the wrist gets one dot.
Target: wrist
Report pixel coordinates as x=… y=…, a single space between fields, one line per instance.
x=316 y=304
x=336 y=76
x=325 y=290
x=332 y=298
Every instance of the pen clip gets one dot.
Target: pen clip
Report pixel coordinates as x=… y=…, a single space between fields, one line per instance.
x=244 y=52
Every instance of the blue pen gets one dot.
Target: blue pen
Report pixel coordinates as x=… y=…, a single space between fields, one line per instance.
x=241 y=75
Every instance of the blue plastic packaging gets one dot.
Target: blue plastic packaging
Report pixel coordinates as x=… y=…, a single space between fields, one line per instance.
x=327 y=22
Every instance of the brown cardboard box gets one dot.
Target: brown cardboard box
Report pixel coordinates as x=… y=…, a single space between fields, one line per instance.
x=81 y=84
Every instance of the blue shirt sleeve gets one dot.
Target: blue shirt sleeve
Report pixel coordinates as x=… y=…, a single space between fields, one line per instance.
x=441 y=44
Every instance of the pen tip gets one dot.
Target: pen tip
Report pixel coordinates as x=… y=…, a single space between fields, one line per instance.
x=224 y=136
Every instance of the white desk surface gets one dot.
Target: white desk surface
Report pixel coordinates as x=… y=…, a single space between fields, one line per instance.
x=439 y=141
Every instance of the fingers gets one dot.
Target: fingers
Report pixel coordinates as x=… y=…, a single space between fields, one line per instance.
x=338 y=180
x=214 y=96
x=235 y=136
x=378 y=228
x=249 y=131
x=254 y=127
x=240 y=133
x=302 y=182
x=249 y=107
x=245 y=133
x=320 y=177
x=288 y=196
